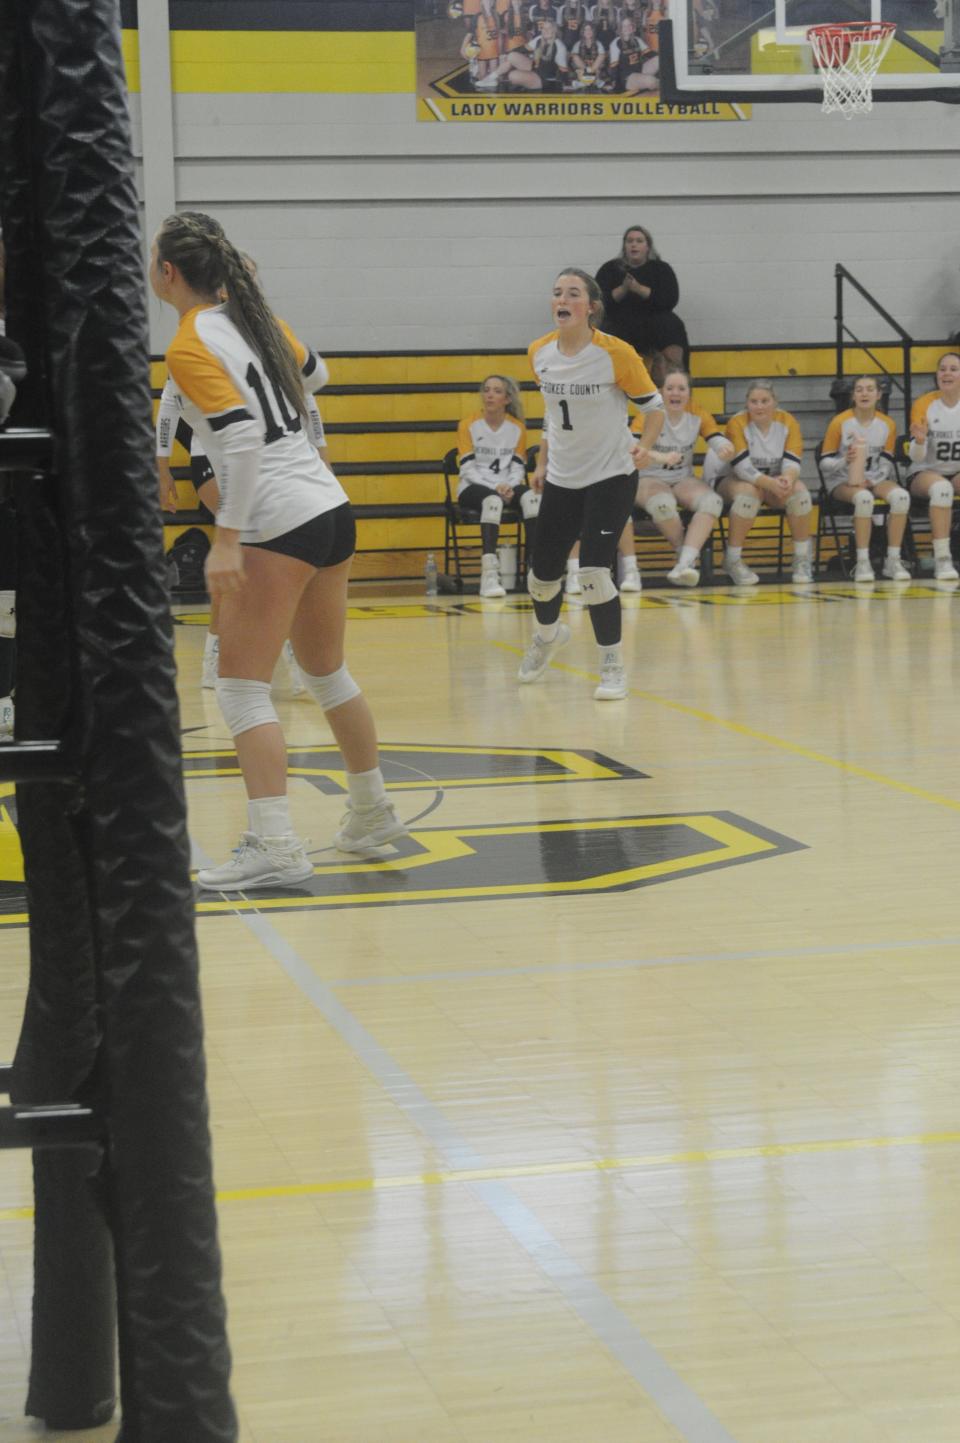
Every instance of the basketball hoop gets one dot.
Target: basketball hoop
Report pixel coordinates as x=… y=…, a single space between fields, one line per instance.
x=848 y=57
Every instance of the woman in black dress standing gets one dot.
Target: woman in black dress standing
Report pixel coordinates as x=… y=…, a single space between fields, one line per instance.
x=639 y=293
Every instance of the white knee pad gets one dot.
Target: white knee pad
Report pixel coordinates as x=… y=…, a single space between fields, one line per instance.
x=530 y=505
x=941 y=494
x=662 y=507
x=800 y=503
x=898 y=501
x=244 y=704
x=863 y=503
x=491 y=510
x=743 y=504
x=332 y=690
x=8 y=613
x=708 y=504
x=597 y=585
x=542 y=590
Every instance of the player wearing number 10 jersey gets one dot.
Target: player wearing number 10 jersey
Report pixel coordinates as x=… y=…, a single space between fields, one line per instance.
x=281 y=555
x=586 y=470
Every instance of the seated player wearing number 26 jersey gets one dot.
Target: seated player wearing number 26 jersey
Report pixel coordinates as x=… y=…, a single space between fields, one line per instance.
x=935 y=457
x=281 y=554
x=492 y=460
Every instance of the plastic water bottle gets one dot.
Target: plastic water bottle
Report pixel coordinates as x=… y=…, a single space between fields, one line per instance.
x=430 y=575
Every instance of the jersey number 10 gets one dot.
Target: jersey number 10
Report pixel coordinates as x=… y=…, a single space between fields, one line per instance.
x=288 y=425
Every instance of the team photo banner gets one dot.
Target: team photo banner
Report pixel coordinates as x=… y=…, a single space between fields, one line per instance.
x=521 y=60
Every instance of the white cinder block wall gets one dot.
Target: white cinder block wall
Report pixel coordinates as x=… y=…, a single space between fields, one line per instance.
x=374 y=231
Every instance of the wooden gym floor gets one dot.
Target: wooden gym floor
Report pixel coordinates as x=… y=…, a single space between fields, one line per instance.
x=624 y=1106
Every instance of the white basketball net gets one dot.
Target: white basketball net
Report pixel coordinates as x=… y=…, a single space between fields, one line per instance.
x=848 y=57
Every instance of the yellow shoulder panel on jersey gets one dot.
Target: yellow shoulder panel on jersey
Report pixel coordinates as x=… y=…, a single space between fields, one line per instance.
x=629 y=372
x=708 y=422
x=794 y=441
x=737 y=431
x=538 y=345
x=299 y=349
x=197 y=372
x=920 y=407
x=834 y=433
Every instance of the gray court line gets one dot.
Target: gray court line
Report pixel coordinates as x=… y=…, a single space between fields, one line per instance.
x=563 y=969
x=665 y=1388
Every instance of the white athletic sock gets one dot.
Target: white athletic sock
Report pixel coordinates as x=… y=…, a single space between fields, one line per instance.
x=573 y=564
x=628 y=563
x=863 y=553
x=941 y=547
x=612 y=655
x=211 y=643
x=893 y=553
x=687 y=557
x=366 y=788
x=270 y=816
x=548 y=630
x=802 y=548
x=734 y=553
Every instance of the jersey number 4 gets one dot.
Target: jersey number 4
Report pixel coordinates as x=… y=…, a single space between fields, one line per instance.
x=288 y=425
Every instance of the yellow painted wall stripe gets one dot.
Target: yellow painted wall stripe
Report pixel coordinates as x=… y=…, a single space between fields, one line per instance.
x=324 y=62
x=693 y=1158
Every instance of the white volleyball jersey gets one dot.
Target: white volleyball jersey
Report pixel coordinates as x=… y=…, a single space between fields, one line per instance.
x=682 y=436
x=488 y=457
x=942 y=450
x=270 y=476
x=585 y=407
x=880 y=434
x=759 y=453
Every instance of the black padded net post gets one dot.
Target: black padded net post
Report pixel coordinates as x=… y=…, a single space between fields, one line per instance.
x=113 y=1012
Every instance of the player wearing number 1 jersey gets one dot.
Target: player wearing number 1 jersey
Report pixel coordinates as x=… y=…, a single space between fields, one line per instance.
x=586 y=469
x=935 y=457
x=282 y=550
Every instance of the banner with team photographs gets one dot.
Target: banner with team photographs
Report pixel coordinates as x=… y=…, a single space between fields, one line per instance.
x=525 y=60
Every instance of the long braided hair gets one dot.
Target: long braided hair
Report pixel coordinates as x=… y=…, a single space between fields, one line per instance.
x=198 y=246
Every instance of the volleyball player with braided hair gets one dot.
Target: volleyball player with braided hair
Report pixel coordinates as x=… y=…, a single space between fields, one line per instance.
x=281 y=553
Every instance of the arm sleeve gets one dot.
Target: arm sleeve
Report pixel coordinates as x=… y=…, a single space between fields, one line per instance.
x=198 y=374
x=466 y=461
x=743 y=467
x=313 y=368
x=917 y=450
x=793 y=447
x=831 y=461
x=168 y=414
x=885 y=468
x=665 y=293
x=716 y=440
x=317 y=434
x=518 y=466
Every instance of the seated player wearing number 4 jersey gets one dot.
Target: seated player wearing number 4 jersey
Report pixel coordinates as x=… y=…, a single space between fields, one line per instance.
x=492 y=460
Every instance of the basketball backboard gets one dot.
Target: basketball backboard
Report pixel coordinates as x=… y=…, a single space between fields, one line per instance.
x=743 y=50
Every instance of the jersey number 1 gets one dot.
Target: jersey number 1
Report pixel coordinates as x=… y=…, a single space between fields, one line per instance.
x=567 y=423
x=289 y=425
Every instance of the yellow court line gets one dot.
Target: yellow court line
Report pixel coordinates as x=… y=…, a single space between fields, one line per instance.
x=851 y=768
x=554 y=1169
